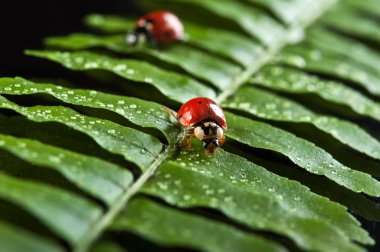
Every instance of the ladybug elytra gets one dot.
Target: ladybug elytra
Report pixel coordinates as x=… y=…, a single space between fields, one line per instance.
x=205 y=120
x=156 y=27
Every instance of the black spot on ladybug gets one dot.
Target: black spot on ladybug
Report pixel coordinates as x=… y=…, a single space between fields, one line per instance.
x=199 y=102
x=180 y=116
x=169 y=33
x=150 y=21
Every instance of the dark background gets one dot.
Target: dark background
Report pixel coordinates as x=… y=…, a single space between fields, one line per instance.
x=24 y=24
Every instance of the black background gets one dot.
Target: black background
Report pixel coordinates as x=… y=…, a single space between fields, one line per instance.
x=24 y=24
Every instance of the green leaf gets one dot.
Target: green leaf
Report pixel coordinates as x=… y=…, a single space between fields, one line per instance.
x=238 y=188
x=208 y=38
x=108 y=23
x=215 y=41
x=287 y=11
x=251 y=20
x=215 y=70
x=59 y=210
x=303 y=153
x=319 y=61
x=177 y=87
x=267 y=105
x=290 y=80
x=174 y=228
x=107 y=247
x=139 y=112
x=104 y=180
x=15 y=239
x=350 y=49
x=365 y=5
x=135 y=146
x=352 y=23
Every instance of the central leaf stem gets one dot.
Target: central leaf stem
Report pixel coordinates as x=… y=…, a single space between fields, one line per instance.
x=308 y=16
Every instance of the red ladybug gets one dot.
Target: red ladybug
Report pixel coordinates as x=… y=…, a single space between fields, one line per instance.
x=156 y=27
x=205 y=120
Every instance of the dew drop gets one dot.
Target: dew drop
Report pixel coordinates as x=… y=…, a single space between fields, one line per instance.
x=111 y=131
x=91 y=65
x=221 y=191
x=205 y=186
x=131 y=71
x=228 y=199
x=297 y=60
x=54 y=159
x=120 y=111
x=186 y=197
x=209 y=192
x=120 y=67
x=162 y=186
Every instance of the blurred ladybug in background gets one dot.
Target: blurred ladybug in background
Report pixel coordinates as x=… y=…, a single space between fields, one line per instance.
x=205 y=120
x=156 y=27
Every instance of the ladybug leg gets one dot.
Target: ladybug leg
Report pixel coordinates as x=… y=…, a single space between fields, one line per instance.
x=221 y=140
x=190 y=141
x=184 y=140
x=148 y=35
x=170 y=112
x=189 y=138
x=152 y=40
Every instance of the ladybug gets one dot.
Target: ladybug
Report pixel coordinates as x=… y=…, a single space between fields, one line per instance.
x=205 y=120
x=156 y=27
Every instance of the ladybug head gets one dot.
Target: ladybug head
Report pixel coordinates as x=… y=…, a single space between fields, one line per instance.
x=211 y=134
x=210 y=145
x=141 y=33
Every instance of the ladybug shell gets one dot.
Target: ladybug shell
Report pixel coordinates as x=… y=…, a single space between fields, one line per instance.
x=201 y=109
x=166 y=27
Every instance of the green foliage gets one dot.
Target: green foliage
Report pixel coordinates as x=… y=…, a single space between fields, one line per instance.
x=176 y=86
x=301 y=152
x=239 y=192
x=107 y=183
x=47 y=203
x=98 y=166
x=264 y=104
x=147 y=218
x=16 y=239
x=291 y=81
